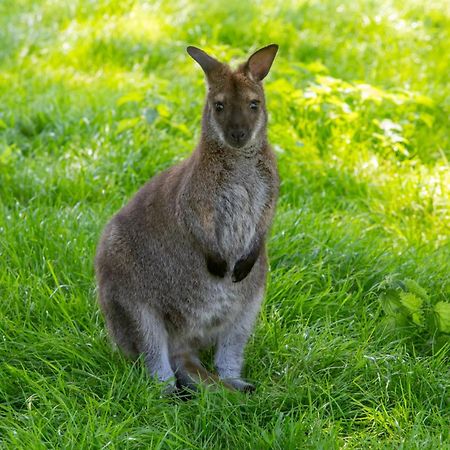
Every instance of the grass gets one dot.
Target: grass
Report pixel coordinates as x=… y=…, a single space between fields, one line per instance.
x=96 y=97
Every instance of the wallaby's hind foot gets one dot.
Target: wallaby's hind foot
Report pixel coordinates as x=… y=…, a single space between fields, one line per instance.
x=239 y=385
x=169 y=389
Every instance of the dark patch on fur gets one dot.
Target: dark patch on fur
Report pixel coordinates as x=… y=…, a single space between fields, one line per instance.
x=217 y=266
x=244 y=266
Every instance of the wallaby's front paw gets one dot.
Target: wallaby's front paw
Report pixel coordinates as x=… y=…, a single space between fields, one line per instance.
x=216 y=266
x=242 y=268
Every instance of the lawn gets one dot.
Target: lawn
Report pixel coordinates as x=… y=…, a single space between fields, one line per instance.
x=352 y=346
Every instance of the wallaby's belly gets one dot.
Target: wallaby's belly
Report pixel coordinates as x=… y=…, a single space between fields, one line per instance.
x=199 y=305
x=211 y=303
x=195 y=304
x=218 y=307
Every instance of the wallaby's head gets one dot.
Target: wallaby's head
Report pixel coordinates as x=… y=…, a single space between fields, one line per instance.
x=235 y=112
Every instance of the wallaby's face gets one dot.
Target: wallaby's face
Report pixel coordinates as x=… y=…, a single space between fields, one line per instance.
x=235 y=107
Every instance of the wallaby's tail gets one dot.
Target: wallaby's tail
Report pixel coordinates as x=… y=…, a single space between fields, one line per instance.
x=190 y=373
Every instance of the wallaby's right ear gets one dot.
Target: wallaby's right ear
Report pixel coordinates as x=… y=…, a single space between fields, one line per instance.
x=259 y=64
x=206 y=62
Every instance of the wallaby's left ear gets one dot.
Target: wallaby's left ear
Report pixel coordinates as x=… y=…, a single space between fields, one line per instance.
x=258 y=65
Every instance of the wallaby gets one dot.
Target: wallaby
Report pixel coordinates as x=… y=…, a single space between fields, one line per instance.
x=183 y=265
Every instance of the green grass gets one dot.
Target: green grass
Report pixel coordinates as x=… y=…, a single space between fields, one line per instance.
x=96 y=97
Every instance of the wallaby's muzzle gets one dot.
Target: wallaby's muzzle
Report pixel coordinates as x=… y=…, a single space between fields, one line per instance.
x=237 y=137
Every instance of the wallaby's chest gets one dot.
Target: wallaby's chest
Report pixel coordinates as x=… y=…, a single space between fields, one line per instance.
x=239 y=206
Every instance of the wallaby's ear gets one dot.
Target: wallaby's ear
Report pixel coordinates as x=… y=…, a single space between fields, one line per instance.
x=207 y=63
x=258 y=65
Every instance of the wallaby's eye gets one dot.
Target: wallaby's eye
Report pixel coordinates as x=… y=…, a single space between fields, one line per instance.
x=254 y=105
x=218 y=106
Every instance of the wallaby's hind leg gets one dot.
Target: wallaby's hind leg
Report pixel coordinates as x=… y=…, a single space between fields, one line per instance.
x=139 y=331
x=230 y=346
x=153 y=343
x=121 y=328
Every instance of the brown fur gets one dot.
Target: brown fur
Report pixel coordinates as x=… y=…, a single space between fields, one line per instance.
x=183 y=265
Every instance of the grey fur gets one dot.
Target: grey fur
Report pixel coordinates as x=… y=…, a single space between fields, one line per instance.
x=183 y=265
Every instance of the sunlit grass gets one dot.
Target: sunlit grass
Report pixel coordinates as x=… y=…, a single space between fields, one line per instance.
x=96 y=97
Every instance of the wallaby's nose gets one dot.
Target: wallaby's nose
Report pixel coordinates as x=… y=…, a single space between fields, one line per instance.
x=238 y=135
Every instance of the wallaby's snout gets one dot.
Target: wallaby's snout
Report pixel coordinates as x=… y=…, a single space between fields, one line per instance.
x=238 y=136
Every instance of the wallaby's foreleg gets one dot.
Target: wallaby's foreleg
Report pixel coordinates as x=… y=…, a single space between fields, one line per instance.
x=230 y=347
x=199 y=221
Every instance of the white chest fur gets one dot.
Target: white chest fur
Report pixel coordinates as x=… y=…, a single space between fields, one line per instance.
x=239 y=209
